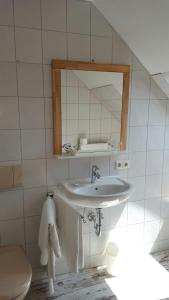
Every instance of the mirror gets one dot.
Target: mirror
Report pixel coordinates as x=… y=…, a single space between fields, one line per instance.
x=90 y=107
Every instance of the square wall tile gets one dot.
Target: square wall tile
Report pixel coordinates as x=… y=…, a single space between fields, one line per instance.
x=78 y=47
x=95 y=128
x=165 y=185
x=49 y=143
x=140 y=85
x=30 y=82
x=166 y=161
x=95 y=111
x=153 y=187
x=83 y=127
x=157 y=112
x=11 y=205
x=152 y=209
x=28 y=45
x=34 y=173
x=6 y=12
x=10 y=148
x=139 y=188
x=155 y=137
x=9 y=113
x=33 y=143
x=166 y=145
x=99 y=25
x=17 y=175
x=137 y=138
x=167 y=113
x=84 y=111
x=156 y=92
x=7 y=49
x=33 y=201
x=137 y=164
x=33 y=254
x=27 y=13
x=154 y=162
x=101 y=49
x=47 y=81
x=79 y=168
x=31 y=113
x=48 y=113
x=78 y=17
x=72 y=127
x=54 y=15
x=54 y=46
x=138 y=112
x=8 y=83
x=12 y=232
x=32 y=225
x=57 y=170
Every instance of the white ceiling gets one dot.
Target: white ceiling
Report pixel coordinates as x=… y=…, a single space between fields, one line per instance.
x=144 y=26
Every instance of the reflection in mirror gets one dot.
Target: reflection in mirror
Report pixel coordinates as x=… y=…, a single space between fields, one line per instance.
x=91 y=104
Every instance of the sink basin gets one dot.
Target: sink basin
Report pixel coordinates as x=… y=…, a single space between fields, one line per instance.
x=105 y=192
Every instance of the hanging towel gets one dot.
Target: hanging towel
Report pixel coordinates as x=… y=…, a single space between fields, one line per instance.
x=49 y=240
x=71 y=235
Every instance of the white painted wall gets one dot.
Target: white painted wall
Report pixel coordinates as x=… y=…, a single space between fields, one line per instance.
x=31 y=34
x=144 y=27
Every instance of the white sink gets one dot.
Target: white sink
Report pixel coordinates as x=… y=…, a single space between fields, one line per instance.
x=106 y=191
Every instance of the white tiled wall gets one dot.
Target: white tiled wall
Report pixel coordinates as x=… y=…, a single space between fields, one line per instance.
x=32 y=33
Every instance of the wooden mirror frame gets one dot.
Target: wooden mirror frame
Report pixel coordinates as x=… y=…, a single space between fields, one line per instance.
x=57 y=66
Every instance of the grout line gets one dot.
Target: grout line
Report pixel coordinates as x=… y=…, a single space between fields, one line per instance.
x=54 y=30
x=44 y=100
x=146 y=150
x=19 y=121
x=90 y=32
x=163 y=163
x=67 y=34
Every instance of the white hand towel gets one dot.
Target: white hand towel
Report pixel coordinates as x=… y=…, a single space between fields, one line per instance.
x=48 y=217
x=49 y=240
x=70 y=224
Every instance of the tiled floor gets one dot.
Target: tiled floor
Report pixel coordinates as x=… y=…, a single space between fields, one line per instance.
x=145 y=279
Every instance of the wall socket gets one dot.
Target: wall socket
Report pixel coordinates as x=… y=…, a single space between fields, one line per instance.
x=122 y=164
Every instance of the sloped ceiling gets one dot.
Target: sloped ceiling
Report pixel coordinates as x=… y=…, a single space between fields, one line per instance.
x=144 y=26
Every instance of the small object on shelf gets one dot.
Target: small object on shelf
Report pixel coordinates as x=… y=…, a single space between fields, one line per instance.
x=95 y=147
x=70 y=150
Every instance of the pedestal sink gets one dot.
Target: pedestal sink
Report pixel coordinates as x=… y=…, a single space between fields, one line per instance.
x=105 y=192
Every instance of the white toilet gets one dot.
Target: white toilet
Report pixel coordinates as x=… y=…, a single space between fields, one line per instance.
x=15 y=273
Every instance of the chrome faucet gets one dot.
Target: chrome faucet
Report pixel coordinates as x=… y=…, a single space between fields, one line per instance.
x=95 y=173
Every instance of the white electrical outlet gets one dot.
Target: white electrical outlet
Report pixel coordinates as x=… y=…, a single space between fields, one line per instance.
x=122 y=164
